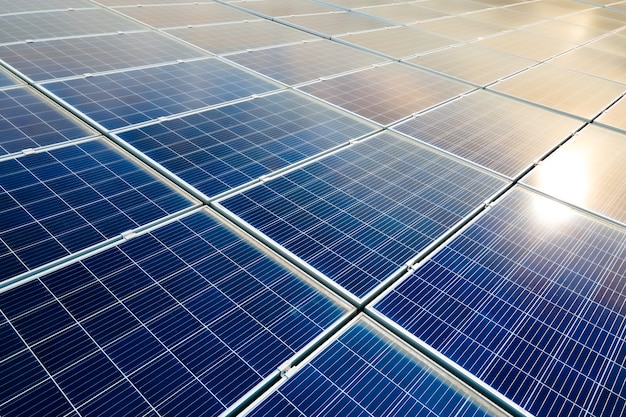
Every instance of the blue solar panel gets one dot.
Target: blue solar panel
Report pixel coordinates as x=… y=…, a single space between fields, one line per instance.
x=76 y=56
x=27 y=121
x=5 y=79
x=531 y=300
x=131 y=97
x=365 y=373
x=64 y=200
x=185 y=319
x=360 y=214
x=220 y=149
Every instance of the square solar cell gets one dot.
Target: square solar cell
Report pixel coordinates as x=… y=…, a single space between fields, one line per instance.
x=223 y=148
x=530 y=299
x=245 y=316
x=279 y=8
x=493 y=131
x=28 y=121
x=54 y=24
x=588 y=171
x=125 y=98
x=76 y=56
x=461 y=28
x=387 y=93
x=168 y=16
x=5 y=79
x=357 y=216
x=473 y=63
x=527 y=45
x=61 y=201
x=571 y=92
x=337 y=23
x=367 y=372
x=399 y=42
x=614 y=115
x=402 y=13
x=235 y=37
x=594 y=62
x=299 y=63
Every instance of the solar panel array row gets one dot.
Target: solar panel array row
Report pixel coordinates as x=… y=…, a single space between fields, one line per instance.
x=338 y=207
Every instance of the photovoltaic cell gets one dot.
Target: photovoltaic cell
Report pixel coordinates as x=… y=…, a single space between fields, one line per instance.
x=337 y=23
x=588 y=171
x=43 y=25
x=365 y=372
x=185 y=319
x=61 y=201
x=125 y=98
x=27 y=121
x=185 y=14
x=76 y=56
x=530 y=299
x=498 y=133
x=235 y=37
x=358 y=215
x=5 y=79
x=387 y=93
x=229 y=146
x=572 y=92
x=473 y=63
x=294 y=64
x=399 y=42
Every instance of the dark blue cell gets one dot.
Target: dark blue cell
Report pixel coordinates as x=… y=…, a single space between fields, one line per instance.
x=121 y=400
x=110 y=324
x=43 y=322
x=24 y=298
x=134 y=350
x=20 y=373
x=64 y=349
x=44 y=400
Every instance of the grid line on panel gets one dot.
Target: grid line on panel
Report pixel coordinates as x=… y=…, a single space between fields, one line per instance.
x=529 y=302
x=224 y=148
x=63 y=58
x=58 y=202
x=370 y=207
x=47 y=25
x=162 y=298
x=27 y=121
x=125 y=98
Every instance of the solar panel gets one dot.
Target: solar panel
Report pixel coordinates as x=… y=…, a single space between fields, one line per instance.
x=527 y=45
x=504 y=16
x=29 y=121
x=564 y=31
x=572 y=92
x=550 y=10
x=614 y=115
x=115 y=3
x=55 y=24
x=530 y=299
x=596 y=20
x=6 y=80
x=223 y=148
x=168 y=16
x=76 y=56
x=588 y=171
x=57 y=202
x=279 y=8
x=299 y=63
x=185 y=319
x=357 y=216
x=503 y=135
x=235 y=37
x=360 y=3
x=403 y=13
x=125 y=98
x=454 y=6
x=398 y=42
x=473 y=63
x=387 y=93
x=366 y=372
x=336 y=23
x=461 y=28
x=612 y=43
x=7 y=6
x=594 y=62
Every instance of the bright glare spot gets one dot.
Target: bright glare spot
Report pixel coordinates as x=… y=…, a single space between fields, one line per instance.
x=565 y=177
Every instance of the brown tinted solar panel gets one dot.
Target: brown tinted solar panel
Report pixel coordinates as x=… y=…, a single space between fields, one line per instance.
x=279 y=8
x=527 y=45
x=564 y=31
x=333 y=24
x=594 y=62
x=387 y=93
x=615 y=115
x=562 y=89
x=461 y=28
x=403 y=13
x=588 y=171
x=185 y=14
